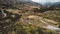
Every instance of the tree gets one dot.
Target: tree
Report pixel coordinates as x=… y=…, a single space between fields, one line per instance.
x=8 y=3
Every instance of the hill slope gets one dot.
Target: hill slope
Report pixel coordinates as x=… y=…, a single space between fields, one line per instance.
x=26 y=21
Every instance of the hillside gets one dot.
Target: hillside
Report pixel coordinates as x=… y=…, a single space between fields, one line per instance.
x=28 y=18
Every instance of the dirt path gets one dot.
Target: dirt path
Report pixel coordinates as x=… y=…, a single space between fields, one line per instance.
x=50 y=26
x=3 y=14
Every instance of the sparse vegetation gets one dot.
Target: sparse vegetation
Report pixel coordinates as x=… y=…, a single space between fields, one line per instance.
x=29 y=19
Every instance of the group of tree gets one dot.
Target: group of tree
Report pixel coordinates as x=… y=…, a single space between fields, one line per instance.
x=8 y=3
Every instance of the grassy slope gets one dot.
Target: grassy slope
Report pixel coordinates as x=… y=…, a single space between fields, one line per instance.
x=19 y=27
